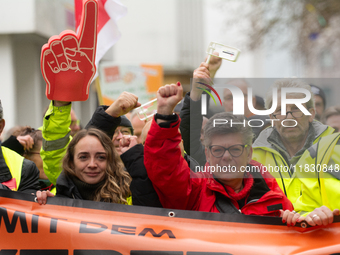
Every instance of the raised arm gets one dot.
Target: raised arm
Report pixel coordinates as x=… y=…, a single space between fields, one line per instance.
x=167 y=169
x=107 y=118
x=56 y=137
x=191 y=116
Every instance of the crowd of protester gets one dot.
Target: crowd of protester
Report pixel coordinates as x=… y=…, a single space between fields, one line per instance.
x=186 y=161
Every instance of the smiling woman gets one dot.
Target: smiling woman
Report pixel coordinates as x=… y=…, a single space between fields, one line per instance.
x=92 y=170
x=94 y=167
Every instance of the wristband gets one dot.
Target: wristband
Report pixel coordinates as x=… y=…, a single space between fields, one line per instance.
x=166 y=117
x=170 y=119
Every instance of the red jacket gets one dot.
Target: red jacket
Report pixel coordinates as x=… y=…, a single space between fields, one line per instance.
x=180 y=188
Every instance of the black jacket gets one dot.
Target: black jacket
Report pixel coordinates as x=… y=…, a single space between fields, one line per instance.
x=103 y=121
x=191 y=114
x=13 y=144
x=66 y=187
x=143 y=192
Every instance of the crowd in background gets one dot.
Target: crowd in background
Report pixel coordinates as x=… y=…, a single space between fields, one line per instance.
x=184 y=160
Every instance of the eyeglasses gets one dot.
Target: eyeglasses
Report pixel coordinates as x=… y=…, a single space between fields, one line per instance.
x=122 y=131
x=235 y=150
x=295 y=114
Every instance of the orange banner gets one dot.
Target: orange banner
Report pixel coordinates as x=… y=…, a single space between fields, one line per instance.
x=67 y=226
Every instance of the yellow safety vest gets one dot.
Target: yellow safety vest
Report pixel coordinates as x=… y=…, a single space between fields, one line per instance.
x=279 y=169
x=320 y=176
x=288 y=181
x=14 y=162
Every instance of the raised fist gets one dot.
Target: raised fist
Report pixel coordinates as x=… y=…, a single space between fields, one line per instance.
x=168 y=97
x=68 y=60
x=124 y=103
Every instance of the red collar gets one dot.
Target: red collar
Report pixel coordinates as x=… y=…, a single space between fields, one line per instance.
x=248 y=182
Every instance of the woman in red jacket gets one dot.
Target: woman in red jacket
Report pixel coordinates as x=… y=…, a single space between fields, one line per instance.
x=230 y=182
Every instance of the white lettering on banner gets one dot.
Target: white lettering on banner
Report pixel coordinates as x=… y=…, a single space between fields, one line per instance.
x=238 y=101
x=231 y=123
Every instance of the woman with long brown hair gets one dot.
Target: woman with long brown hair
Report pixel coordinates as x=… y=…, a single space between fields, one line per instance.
x=92 y=170
x=91 y=166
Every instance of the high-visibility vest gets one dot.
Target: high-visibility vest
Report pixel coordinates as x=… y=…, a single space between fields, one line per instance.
x=287 y=180
x=320 y=175
x=277 y=167
x=14 y=162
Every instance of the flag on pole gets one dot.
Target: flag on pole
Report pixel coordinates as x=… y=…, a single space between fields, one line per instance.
x=109 y=12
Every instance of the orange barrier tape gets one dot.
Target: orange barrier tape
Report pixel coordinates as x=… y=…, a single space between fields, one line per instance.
x=67 y=226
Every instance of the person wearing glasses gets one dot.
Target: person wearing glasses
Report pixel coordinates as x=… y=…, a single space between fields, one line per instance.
x=233 y=183
x=318 y=172
x=102 y=120
x=280 y=147
x=124 y=128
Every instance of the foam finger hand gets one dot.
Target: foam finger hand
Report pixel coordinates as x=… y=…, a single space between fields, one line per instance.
x=59 y=53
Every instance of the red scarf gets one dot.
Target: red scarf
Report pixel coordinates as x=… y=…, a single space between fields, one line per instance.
x=248 y=182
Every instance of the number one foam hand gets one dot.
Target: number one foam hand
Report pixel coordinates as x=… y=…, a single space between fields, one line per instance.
x=68 y=60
